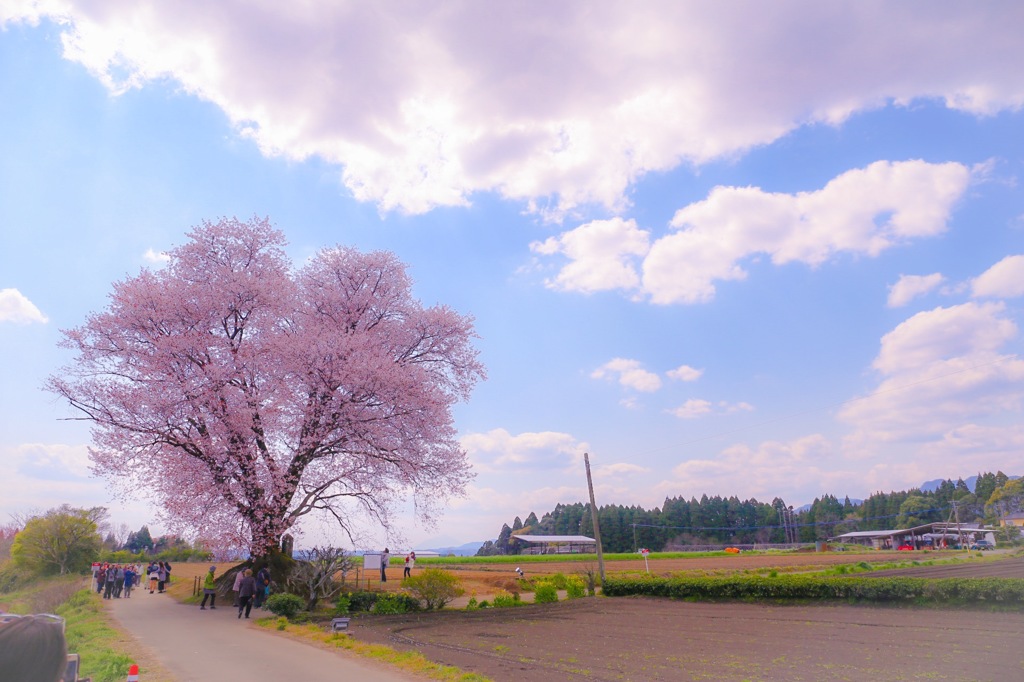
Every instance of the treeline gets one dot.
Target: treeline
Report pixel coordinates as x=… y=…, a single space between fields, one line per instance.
x=679 y=522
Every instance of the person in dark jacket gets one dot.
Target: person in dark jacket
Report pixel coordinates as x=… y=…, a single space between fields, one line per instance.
x=246 y=591
x=262 y=580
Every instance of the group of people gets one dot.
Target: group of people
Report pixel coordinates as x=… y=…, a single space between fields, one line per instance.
x=385 y=561
x=111 y=580
x=249 y=590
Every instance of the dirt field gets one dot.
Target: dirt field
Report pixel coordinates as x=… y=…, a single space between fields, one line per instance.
x=654 y=639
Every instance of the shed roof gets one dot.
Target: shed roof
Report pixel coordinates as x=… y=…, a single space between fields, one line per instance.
x=564 y=539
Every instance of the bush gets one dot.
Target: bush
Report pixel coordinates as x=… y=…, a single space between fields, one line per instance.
x=286 y=605
x=505 y=599
x=391 y=603
x=342 y=605
x=546 y=593
x=434 y=587
x=362 y=601
x=575 y=587
x=1003 y=591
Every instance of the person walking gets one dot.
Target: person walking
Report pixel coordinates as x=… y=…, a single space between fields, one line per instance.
x=209 y=590
x=246 y=591
x=118 y=581
x=154 y=576
x=262 y=582
x=410 y=562
x=161 y=577
x=129 y=580
x=101 y=578
x=108 y=587
x=385 y=558
x=235 y=586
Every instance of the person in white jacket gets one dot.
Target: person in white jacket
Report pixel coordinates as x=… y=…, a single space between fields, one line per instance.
x=237 y=585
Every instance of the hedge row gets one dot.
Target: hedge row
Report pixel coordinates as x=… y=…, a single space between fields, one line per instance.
x=1003 y=591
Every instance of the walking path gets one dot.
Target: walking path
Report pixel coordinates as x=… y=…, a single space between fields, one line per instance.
x=210 y=646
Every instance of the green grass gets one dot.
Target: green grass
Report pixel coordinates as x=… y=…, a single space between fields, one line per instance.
x=89 y=635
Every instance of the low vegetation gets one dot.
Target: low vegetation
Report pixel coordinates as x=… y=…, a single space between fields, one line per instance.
x=954 y=591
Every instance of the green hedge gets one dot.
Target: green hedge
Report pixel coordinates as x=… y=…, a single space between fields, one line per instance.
x=1002 y=591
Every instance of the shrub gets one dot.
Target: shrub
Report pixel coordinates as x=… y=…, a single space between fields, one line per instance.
x=286 y=605
x=575 y=587
x=546 y=593
x=434 y=587
x=559 y=580
x=505 y=599
x=362 y=601
x=342 y=605
x=391 y=603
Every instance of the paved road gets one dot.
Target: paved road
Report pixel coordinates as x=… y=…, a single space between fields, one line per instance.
x=215 y=646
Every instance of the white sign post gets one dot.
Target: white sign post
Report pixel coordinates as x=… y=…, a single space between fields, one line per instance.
x=645 y=552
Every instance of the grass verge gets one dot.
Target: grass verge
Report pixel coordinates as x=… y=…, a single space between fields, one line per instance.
x=410 y=661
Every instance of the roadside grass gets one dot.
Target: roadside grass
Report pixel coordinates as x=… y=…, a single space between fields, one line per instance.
x=409 y=661
x=90 y=634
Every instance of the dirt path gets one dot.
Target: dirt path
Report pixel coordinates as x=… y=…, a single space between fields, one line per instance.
x=208 y=646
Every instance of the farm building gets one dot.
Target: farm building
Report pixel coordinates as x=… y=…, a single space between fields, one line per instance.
x=557 y=544
x=927 y=536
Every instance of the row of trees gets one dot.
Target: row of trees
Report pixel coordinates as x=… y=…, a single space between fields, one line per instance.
x=729 y=520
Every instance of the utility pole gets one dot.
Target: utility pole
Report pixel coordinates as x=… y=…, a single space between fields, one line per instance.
x=593 y=516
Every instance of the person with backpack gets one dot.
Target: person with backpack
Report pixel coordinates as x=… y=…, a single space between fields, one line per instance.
x=129 y=581
x=154 y=576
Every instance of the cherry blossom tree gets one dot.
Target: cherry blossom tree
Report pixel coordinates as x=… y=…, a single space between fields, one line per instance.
x=244 y=395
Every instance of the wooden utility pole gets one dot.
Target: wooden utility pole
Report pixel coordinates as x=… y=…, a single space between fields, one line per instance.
x=593 y=516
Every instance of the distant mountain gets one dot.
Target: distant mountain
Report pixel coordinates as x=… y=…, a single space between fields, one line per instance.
x=467 y=549
x=932 y=486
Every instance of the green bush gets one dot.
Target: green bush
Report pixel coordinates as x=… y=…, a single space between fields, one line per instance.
x=391 y=603
x=505 y=599
x=362 y=601
x=342 y=605
x=559 y=580
x=434 y=587
x=546 y=593
x=575 y=587
x=287 y=605
x=1003 y=591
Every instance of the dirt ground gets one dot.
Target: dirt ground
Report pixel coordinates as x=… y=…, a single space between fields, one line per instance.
x=601 y=639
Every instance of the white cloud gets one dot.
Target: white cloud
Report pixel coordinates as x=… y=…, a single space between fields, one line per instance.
x=629 y=373
x=942 y=371
x=15 y=307
x=685 y=373
x=603 y=255
x=499 y=450
x=909 y=287
x=1005 y=279
x=424 y=104
x=696 y=407
x=810 y=465
x=862 y=211
x=692 y=409
x=618 y=469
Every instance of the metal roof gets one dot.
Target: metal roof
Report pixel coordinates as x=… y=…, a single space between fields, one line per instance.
x=565 y=539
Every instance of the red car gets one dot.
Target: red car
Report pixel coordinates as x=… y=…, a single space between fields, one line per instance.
x=905 y=548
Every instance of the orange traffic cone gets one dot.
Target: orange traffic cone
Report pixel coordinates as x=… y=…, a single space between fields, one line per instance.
x=133 y=673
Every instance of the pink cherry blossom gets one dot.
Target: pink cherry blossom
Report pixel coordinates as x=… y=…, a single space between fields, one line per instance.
x=244 y=395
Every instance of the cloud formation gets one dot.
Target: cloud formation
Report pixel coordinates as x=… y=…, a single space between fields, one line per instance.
x=909 y=287
x=1005 y=279
x=16 y=308
x=862 y=211
x=421 y=105
x=499 y=451
x=629 y=373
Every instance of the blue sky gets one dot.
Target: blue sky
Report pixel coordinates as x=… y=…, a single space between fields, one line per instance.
x=777 y=262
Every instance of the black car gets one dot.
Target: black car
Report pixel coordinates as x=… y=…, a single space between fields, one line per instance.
x=982 y=545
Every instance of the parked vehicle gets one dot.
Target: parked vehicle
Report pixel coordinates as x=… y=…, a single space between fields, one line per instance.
x=982 y=545
x=905 y=548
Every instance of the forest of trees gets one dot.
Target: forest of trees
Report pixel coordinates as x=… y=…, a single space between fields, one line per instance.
x=718 y=520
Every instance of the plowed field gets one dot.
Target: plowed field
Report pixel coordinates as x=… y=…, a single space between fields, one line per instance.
x=606 y=639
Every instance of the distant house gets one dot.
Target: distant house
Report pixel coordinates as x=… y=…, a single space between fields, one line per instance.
x=1016 y=519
